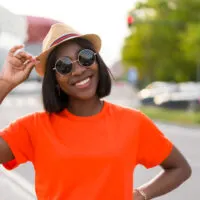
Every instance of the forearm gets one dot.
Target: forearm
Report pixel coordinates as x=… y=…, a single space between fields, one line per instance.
x=5 y=88
x=165 y=182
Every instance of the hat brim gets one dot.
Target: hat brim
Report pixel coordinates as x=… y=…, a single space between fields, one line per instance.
x=40 y=68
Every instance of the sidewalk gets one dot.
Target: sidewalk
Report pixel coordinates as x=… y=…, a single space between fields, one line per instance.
x=14 y=187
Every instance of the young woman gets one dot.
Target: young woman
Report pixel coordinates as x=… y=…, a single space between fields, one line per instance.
x=81 y=146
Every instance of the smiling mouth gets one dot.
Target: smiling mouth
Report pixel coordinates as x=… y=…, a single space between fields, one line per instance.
x=84 y=83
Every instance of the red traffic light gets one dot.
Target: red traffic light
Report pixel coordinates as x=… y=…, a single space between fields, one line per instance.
x=130 y=20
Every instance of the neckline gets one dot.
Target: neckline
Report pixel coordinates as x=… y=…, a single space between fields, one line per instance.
x=73 y=117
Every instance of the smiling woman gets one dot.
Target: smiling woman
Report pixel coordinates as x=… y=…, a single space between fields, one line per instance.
x=75 y=79
x=81 y=146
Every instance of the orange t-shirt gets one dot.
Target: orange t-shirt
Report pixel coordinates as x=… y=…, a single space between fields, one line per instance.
x=89 y=158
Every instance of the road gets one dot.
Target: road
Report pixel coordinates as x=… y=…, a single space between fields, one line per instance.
x=20 y=181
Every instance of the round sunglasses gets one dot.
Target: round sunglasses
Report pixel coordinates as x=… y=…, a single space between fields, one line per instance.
x=86 y=58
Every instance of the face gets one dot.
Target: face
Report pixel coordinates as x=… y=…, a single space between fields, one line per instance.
x=81 y=82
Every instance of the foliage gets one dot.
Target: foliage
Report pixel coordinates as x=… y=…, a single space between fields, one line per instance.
x=164 y=41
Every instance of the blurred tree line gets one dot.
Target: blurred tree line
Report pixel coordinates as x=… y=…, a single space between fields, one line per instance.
x=164 y=40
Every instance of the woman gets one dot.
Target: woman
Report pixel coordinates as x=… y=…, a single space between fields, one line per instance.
x=81 y=146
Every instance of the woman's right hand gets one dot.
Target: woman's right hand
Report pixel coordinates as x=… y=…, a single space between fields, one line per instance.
x=17 y=67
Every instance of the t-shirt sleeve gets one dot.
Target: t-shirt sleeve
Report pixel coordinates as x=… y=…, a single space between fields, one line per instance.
x=18 y=136
x=153 y=146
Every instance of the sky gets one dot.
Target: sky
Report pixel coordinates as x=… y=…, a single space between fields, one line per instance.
x=107 y=18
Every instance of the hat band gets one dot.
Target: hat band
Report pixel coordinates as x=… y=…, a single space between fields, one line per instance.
x=64 y=37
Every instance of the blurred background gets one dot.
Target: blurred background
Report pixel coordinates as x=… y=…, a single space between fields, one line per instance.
x=152 y=48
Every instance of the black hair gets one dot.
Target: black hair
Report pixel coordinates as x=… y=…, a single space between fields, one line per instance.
x=54 y=99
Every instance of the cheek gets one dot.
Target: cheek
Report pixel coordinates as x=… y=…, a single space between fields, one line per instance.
x=62 y=81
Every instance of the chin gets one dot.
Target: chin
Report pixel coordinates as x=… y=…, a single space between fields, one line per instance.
x=86 y=95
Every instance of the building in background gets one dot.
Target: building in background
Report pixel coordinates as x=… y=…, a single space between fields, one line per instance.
x=12 y=31
x=28 y=30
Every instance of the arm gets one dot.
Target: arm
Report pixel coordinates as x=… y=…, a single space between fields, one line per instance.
x=5 y=88
x=176 y=171
x=16 y=69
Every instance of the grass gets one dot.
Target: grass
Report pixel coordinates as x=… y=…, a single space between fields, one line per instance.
x=173 y=116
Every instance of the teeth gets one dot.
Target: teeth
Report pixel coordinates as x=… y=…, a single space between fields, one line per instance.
x=83 y=82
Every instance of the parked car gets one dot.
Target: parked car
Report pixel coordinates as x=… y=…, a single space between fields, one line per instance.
x=186 y=97
x=147 y=94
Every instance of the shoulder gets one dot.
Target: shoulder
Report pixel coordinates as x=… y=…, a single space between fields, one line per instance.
x=125 y=112
x=31 y=118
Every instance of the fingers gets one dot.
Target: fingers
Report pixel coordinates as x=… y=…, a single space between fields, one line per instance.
x=30 y=65
x=15 y=62
x=23 y=56
x=17 y=51
x=14 y=49
x=17 y=57
x=21 y=60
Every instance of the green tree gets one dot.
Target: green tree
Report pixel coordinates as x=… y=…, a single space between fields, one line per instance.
x=156 y=44
x=191 y=47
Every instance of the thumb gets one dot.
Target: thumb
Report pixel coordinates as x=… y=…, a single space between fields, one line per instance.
x=29 y=67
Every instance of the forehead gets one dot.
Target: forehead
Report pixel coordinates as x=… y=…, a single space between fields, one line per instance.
x=68 y=49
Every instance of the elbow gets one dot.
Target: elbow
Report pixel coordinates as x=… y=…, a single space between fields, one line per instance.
x=186 y=172
x=189 y=172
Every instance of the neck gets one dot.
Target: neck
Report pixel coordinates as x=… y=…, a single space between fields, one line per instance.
x=87 y=107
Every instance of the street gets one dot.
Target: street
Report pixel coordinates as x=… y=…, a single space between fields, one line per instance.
x=18 y=184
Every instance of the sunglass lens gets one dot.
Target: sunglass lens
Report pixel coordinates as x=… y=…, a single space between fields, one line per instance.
x=86 y=57
x=64 y=65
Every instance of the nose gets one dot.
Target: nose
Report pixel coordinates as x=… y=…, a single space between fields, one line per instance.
x=77 y=69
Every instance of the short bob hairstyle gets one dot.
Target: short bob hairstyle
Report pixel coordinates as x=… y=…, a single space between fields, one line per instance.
x=55 y=101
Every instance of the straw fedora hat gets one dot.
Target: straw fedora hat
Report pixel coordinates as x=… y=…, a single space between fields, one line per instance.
x=58 y=34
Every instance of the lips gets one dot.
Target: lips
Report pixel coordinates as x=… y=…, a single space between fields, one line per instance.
x=78 y=79
x=83 y=84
